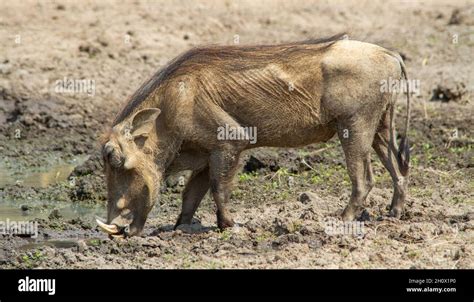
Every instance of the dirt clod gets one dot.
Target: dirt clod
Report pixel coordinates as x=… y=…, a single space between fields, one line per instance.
x=449 y=92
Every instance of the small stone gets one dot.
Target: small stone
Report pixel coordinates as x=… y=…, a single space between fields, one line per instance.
x=470 y=216
x=89 y=49
x=103 y=42
x=456 y=17
x=278 y=258
x=253 y=164
x=81 y=246
x=314 y=243
x=307 y=197
x=54 y=214
x=5 y=68
x=364 y=216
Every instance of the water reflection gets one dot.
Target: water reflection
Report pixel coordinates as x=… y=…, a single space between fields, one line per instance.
x=54 y=174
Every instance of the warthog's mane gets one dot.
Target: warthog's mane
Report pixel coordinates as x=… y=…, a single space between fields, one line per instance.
x=243 y=57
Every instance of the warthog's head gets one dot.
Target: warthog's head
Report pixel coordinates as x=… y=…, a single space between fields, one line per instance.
x=132 y=176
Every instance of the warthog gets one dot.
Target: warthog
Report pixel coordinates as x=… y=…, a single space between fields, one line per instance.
x=294 y=94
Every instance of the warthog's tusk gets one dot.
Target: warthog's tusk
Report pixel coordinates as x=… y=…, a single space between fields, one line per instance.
x=109 y=229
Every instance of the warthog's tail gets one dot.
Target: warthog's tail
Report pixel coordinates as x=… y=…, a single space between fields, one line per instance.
x=403 y=155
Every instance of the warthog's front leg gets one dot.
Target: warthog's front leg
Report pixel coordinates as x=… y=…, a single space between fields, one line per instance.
x=223 y=165
x=196 y=188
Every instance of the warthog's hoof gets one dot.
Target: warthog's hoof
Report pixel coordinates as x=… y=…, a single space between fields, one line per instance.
x=349 y=214
x=395 y=212
x=186 y=221
x=225 y=223
x=352 y=213
x=190 y=228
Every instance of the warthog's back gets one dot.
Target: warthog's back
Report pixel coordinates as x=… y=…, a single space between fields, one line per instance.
x=291 y=93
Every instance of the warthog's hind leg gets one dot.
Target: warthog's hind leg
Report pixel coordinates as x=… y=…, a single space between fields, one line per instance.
x=193 y=193
x=386 y=147
x=356 y=139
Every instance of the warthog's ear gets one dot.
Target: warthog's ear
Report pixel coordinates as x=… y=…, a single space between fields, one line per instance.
x=143 y=121
x=140 y=126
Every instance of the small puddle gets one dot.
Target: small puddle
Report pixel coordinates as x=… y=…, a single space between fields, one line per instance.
x=11 y=212
x=42 y=209
x=54 y=174
x=27 y=209
x=64 y=244
x=42 y=180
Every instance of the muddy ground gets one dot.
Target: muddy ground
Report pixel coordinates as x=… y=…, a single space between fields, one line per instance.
x=45 y=134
